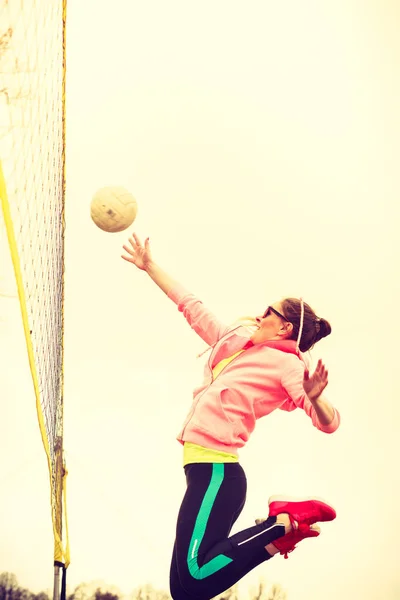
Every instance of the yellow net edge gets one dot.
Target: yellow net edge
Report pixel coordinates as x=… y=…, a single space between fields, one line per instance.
x=61 y=554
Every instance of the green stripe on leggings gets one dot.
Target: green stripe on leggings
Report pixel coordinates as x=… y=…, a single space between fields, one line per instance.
x=220 y=561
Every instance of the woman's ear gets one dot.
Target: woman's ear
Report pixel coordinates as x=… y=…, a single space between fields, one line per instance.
x=286 y=330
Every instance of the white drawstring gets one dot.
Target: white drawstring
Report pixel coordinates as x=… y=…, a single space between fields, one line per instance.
x=206 y=350
x=301 y=324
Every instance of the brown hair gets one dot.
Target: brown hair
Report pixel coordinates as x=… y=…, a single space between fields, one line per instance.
x=314 y=328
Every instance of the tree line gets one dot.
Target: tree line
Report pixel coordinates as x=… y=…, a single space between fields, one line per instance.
x=11 y=590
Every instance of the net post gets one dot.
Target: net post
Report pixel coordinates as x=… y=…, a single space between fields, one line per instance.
x=56 y=587
x=58 y=490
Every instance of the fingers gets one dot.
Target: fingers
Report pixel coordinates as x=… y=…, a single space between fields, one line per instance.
x=134 y=242
x=128 y=250
x=321 y=370
x=136 y=250
x=137 y=241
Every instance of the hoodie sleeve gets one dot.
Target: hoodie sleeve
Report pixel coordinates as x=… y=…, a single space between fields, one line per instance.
x=200 y=319
x=292 y=382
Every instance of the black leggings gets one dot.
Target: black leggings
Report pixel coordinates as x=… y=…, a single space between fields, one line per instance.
x=205 y=560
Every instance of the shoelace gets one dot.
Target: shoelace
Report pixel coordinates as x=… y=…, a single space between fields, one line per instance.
x=301 y=528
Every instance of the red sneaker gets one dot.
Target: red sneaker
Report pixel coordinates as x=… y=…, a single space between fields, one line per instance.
x=288 y=542
x=305 y=511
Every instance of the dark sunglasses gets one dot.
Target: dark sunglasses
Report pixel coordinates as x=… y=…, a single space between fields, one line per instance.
x=278 y=314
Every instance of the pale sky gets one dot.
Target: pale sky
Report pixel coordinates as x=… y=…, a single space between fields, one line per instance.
x=261 y=141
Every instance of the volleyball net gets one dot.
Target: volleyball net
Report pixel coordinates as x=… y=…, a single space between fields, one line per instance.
x=32 y=194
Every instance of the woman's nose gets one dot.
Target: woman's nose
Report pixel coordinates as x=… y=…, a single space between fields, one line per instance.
x=258 y=320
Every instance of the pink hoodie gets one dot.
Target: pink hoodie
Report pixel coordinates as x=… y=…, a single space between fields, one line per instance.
x=264 y=377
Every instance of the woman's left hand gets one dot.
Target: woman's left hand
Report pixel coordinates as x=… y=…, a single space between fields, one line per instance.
x=315 y=385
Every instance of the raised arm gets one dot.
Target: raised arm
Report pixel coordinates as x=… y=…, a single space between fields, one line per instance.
x=305 y=392
x=313 y=387
x=202 y=321
x=140 y=256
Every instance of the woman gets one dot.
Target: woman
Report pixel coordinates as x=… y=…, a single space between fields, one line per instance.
x=246 y=378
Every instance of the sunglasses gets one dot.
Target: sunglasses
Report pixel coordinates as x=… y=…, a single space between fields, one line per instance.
x=278 y=314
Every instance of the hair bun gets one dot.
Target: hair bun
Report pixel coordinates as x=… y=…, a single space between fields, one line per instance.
x=324 y=328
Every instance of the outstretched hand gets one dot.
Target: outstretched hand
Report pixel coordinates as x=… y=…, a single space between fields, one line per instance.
x=315 y=384
x=138 y=254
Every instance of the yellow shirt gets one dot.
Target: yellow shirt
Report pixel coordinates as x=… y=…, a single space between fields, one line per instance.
x=193 y=453
x=222 y=363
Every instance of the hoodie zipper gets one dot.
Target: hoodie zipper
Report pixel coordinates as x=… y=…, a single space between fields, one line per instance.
x=212 y=347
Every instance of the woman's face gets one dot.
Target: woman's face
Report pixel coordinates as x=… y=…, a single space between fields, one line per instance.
x=271 y=326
